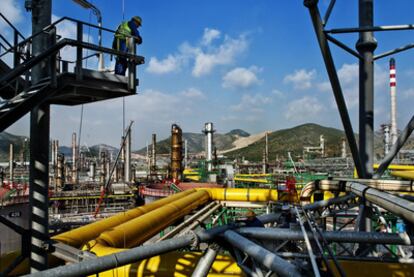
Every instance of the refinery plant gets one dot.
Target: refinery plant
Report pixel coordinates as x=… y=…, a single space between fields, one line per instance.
x=302 y=201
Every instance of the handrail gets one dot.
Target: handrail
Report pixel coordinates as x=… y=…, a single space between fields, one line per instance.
x=11 y=25
x=28 y=39
x=55 y=48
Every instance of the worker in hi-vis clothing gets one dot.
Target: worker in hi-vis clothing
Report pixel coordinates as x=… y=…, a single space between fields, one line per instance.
x=120 y=43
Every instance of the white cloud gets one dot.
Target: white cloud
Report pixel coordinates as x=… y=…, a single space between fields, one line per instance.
x=251 y=103
x=301 y=79
x=278 y=93
x=205 y=61
x=169 y=64
x=409 y=93
x=210 y=35
x=12 y=11
x=306 y=108
x=241 y=77
x=324 y=87
x=204 y=55
x=193 y=93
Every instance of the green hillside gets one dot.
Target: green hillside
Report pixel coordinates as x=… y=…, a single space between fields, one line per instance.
x=293 y=140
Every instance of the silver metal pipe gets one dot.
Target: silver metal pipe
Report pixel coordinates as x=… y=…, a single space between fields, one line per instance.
x=325 y=203
x=388 y=201
x=188 y=221
x=92 y=266
x=204 y=264
x=261 y=255
x=308 y=245
x=334 y=236
x=200 y=219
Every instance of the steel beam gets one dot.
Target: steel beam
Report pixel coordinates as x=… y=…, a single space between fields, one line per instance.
x=261 y=255
x=333 y=236
x=312 y=5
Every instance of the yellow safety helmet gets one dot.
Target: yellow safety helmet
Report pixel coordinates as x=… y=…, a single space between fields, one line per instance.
x=137 y=19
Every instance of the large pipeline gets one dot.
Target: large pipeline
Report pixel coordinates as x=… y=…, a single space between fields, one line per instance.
x=388 y=201
x=78 y=237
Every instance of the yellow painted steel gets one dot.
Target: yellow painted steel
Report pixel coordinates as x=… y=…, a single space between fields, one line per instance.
x=252 y=195
x=377 y=269
x=397 y=167
x=403 y=174
x=169 y=264
x=254 y=175
x=77 y=237
x=138 y=230
x=252 y=180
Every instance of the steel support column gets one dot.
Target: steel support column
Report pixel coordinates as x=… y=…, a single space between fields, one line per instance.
x=366 y=45
x=39 y=143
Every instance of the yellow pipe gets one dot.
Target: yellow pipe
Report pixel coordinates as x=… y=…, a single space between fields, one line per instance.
x=254 y=175
x=252 y=195
x=397 y=167
x=169 y=264
x=138 y=230
x=78 y=237
x=403 y=174
x=252 y=180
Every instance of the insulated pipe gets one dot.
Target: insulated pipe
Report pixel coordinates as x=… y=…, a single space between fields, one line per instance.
x=390 y=202
x=77 y=237
x=92 y=266
x=138 y=230
x=201 y=219
x=335 y=185
x=205 y=263
x=325 y=203
x=332 y=236
x=261 y=255
x=188 y=221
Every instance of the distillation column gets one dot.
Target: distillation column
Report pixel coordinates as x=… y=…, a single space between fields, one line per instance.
x=153 y=160
x=11 y=164
x=208 y=131
x=387 y=141
x=127 y=161
x=74 y=160
x=176 y=152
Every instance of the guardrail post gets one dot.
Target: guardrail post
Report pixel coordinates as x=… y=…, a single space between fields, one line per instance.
x=132 y=66
x=79 y=52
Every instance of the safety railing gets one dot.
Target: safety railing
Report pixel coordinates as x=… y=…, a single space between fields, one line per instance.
x=29 y=60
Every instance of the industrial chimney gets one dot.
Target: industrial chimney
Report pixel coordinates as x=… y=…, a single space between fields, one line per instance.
x=393 y=91
x=176 y=152
x=153 y=160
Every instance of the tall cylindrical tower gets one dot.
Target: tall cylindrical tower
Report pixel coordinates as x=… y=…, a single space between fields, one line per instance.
x=393 y=91
x=176 y=152
x=208 y=131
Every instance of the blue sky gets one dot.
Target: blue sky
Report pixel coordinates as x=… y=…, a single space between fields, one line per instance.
x=246 y=64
